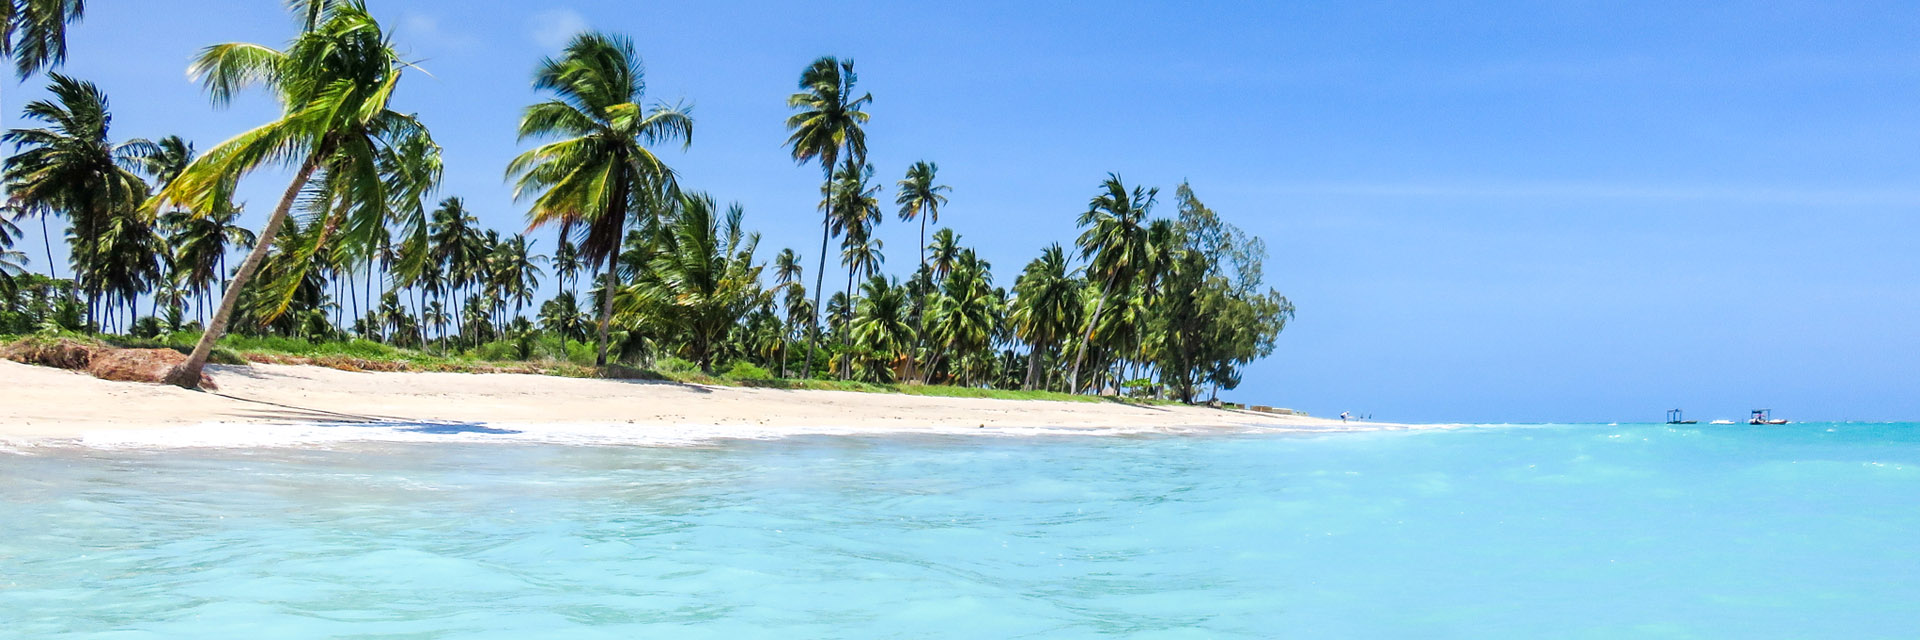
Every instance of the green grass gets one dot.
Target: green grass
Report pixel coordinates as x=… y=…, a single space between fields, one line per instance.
x=364 y=355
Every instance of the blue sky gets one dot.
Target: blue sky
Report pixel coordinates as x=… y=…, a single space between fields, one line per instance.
x=1525 y=211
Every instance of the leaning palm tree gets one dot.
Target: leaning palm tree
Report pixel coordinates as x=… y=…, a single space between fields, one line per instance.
x=72 y=167
x=334 y=83
x=1115 y=245
x=600 y=166
x=827 y=125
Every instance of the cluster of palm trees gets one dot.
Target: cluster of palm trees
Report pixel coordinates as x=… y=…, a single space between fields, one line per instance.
x=351 y=250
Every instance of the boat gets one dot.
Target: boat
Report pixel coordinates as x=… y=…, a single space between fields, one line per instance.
x=1764 y=416
x=1721 y=422
x=1676 y=416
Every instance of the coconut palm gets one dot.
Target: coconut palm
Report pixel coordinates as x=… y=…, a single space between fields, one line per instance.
x=882 y=331
x=72 y=167
x=200 y=245
x=11 y=262
x=600 y=165
x=34 y=32
x=1115 y=245
x=921 y=199
x=516 y=270
x=946 y=249
x=963 y=316
x=334 y=83
x=566 y=263
x=701 y=279
x=1045 y=307
x=828 y=125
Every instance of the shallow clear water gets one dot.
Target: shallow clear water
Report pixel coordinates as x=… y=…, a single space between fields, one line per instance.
x=1522 y=532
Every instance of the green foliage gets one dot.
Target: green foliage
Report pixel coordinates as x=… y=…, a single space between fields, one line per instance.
x=744 y=370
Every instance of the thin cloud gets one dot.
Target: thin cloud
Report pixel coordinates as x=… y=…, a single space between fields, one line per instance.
x=552 y=29
x=426 y=30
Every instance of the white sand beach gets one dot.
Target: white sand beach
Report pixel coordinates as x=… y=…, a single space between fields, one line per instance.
x=48 y=404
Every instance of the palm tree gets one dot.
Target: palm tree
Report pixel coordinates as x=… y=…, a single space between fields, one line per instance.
x=701 y=279
x=1044 y=310
x=74 y=168
x=516 y=269
x=566 y=263
x=963 y=322
x=592 y=176
x=881 y=328
x=334 y=82
x=828 y=124
x=11 y=262
x=34 y=32
x=454 y=235
x=946 y=249
x=1115 y=245
x=200 y=245
x=921 y=199
x=786 y=275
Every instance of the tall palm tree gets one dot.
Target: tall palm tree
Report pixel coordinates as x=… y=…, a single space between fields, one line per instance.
x=828 y=123
x=454 y=235
x=921 y=199
x=786 y=275
x=1115 y=245
x=599 y=167
x=334 y=83
x=1045 y=306
x=566 y=263
x=73 y=167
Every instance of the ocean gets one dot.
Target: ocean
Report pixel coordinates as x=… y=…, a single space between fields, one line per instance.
x=1555 y=531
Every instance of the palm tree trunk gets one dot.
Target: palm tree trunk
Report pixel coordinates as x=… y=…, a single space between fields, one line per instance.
x=606 y=304
x=920 y=338
x=187 y=375
x=1033 y=367
x=846 y=333
x=819 y=284
x=1073 y=380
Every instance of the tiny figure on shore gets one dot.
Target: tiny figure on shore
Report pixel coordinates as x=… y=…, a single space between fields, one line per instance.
x=1343 y=416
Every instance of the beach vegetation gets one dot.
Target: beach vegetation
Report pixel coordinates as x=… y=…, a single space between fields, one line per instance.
x=622 y=271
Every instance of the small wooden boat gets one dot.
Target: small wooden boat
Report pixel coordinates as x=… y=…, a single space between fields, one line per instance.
x=1764 y=416
x=1675 y=416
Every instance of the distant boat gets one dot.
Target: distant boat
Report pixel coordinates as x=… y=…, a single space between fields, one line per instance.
x=1721 y=422
x=1675 y=416
x=1764 y=416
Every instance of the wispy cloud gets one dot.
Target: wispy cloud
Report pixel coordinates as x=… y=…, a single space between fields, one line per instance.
x=1609 y=191
x=552 y=29
x=428 y=32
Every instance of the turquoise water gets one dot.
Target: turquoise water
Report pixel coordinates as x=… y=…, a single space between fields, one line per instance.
x=1806 y=531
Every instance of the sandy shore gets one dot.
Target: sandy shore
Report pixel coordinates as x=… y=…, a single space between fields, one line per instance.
x=44 y=404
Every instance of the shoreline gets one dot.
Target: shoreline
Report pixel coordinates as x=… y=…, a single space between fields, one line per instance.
x=292 y=405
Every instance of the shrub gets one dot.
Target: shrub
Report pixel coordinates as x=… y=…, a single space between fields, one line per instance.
x=671 y=365
x=747 y=371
